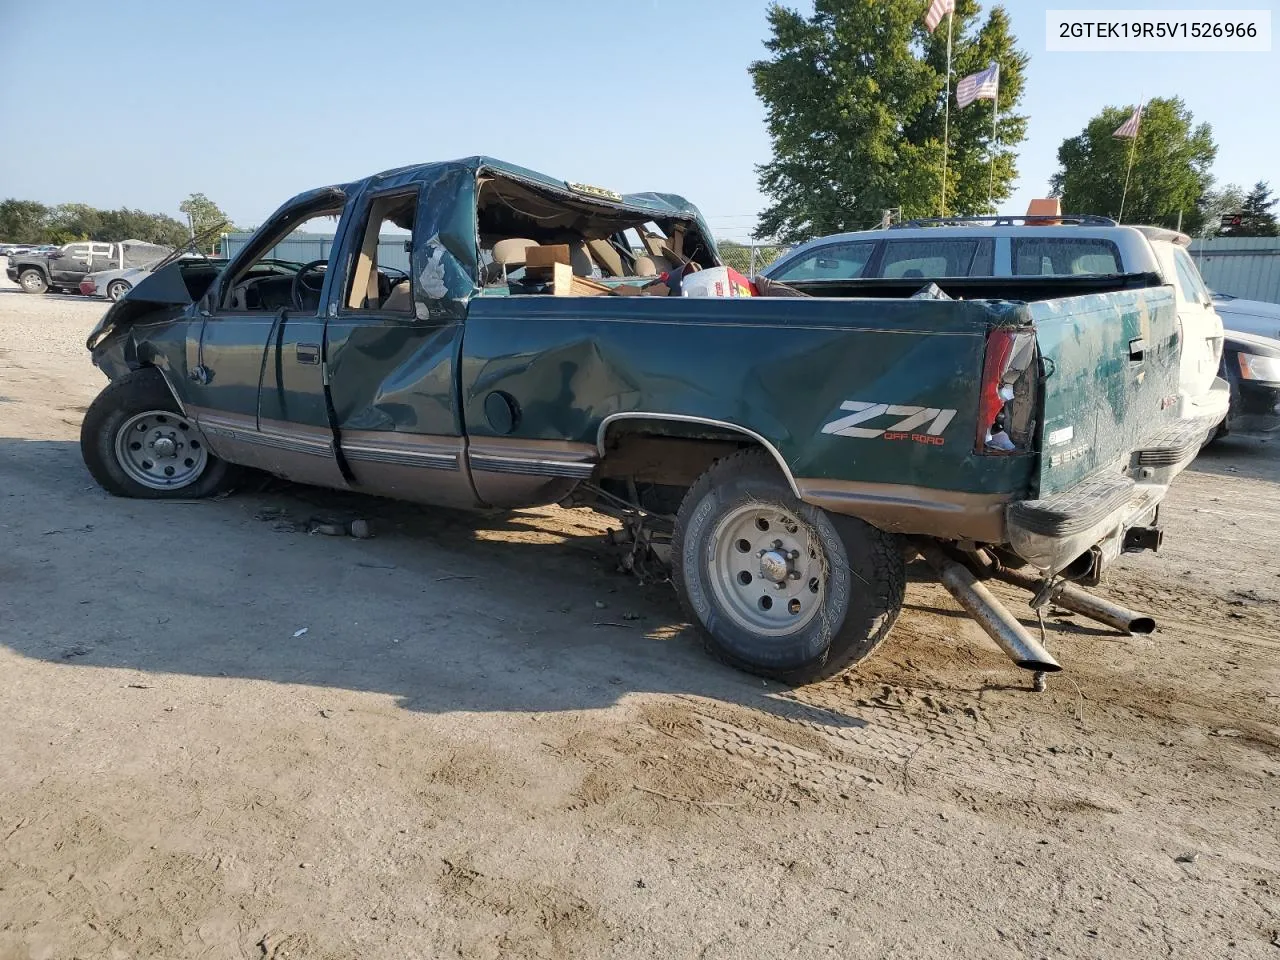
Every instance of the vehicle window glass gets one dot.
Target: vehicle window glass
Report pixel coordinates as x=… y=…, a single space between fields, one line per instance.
x=1193 y=287
x=984 y=261
x=910 y=259
x=378 y=266
x=835 y=261
x=1064 y=257
x=76 y=249
x=266 y=285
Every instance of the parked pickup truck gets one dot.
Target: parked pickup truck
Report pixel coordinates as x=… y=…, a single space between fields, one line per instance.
x=783 y=452
x=63 y=269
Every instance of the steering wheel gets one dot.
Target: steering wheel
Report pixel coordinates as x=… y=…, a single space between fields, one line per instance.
x=299 y=284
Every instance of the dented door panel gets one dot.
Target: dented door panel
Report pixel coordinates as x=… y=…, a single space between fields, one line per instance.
x=392 y=384
x=782 y=368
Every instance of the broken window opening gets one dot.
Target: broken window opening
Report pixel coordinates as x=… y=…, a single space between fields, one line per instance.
x=378 y=275
x=604 y=243
x=287 y=265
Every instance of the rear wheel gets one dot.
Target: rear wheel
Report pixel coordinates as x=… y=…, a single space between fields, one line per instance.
x=117 y=289
x=32 y=281
x=136 y=443
x=778 y=587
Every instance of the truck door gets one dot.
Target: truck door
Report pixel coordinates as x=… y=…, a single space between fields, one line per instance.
x=391 y=365
x=69 y=268
x=255 y=367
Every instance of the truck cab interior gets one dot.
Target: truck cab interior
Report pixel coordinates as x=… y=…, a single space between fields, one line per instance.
x=605 y=243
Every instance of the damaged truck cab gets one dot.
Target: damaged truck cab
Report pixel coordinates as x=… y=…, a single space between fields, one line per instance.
x=485 y=336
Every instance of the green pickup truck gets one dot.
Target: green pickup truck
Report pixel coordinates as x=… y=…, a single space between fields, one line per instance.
x=784 y=453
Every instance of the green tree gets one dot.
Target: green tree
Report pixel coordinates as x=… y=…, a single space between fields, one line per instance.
x=26 y=221
x=1217 y=203
x=74 y=221
x=1256 y=218
x=853 y=99
x=205 y=215
x=23 y=221
x=1171 y=160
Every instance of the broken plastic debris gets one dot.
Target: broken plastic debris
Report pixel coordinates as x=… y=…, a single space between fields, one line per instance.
x=298 y=633
x=930 y=291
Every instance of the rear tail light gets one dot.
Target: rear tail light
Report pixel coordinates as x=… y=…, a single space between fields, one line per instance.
x=1007 y=396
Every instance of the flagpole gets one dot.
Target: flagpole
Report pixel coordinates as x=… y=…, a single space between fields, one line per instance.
x=995 y=112
x=946 y=112
x=1133 y=147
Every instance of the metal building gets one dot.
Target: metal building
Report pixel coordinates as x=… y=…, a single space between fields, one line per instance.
x=305 y=247
x=1246 y=267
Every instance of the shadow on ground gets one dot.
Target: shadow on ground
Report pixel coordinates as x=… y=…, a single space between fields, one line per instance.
x=445 y=611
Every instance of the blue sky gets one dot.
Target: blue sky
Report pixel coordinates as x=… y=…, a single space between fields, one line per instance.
x=138 y=104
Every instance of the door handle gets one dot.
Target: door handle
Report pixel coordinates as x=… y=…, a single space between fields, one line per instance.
x=307 y=352
x=1137 y=350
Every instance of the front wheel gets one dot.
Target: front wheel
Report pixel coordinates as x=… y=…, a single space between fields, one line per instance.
x=117 y=289
x=33 y=281
x=778 y=587
x=136 y=443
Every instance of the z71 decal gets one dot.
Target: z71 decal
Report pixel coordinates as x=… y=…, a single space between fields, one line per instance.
x=909 y=426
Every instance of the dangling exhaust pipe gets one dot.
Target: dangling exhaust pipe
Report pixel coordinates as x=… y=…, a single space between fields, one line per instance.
x=1000 y=625
x=1070 y=597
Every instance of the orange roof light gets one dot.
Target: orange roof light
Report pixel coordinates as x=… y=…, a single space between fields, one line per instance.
x=1047 y=211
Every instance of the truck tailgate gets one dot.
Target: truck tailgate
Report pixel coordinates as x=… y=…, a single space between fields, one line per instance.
x=1111 y=380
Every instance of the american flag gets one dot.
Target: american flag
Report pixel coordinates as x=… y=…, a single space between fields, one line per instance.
x=1129 y=129
x=983 y=85
x=937 y=10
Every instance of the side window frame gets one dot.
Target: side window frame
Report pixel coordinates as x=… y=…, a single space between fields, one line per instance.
x=1184 y=266
x=977 y=243
x=312 y=205
x=819 y=252
x=343 y=266
x=1111 y=246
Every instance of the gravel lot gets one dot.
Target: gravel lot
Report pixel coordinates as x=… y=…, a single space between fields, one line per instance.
x=488 y=744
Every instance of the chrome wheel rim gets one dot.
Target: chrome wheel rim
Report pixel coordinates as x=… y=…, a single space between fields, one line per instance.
x=31 y=282
x=768 y=570
x=160 y=450
x=115 y=291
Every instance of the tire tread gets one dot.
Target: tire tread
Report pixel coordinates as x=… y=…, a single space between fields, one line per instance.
x=850 y=645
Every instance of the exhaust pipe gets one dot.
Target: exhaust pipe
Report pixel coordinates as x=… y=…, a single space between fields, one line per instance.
x=1070 y=597
x=1000 y=625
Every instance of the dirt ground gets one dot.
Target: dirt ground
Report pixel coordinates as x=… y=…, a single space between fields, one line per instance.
x=221 y=736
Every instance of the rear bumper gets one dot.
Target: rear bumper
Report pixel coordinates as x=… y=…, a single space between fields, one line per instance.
x=88 y=288
x=1256 y=408
x=1095 y=514
x=1212 y=404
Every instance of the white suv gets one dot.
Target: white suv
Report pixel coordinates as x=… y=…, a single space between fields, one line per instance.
x=1001 y=247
